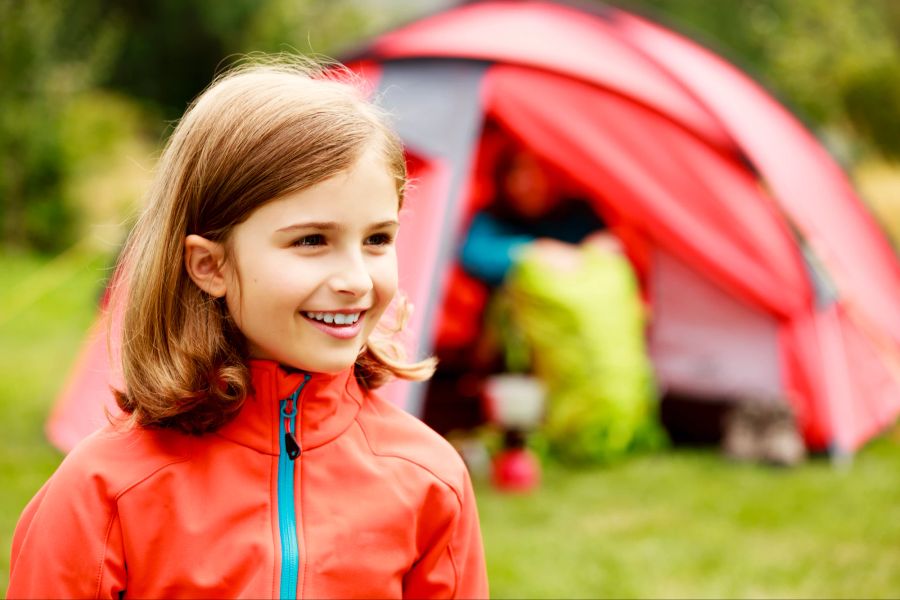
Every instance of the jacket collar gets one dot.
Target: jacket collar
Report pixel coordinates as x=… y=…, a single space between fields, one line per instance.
x=327 y=405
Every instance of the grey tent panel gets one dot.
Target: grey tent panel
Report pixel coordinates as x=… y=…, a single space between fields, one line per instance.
x=435 y=105
x=436 y=108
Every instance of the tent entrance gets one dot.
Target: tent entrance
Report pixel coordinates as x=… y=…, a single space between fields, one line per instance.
x=705 y=344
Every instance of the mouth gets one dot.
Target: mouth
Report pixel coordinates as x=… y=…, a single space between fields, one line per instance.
x=334 y=318
x=341 y=324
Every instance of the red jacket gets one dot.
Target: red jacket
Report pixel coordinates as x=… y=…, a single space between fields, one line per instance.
x=376 y=505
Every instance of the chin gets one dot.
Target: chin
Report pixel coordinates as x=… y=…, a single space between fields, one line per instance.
x=328 y=367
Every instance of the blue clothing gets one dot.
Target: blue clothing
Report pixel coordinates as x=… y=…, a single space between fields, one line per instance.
x=492 y=244
x=490 y=248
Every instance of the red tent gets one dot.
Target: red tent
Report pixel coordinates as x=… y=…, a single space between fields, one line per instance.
x=765 y=274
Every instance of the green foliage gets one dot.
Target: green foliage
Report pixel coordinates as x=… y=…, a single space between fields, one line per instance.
x=834 y=62
x=49 y=51
x=55 y=54
x=871 y=99
x=94 y=124
x=174 y=48
x=108 y=151
x=326 y=28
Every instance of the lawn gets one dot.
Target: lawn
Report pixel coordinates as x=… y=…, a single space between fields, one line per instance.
x=684 y=523
x=688 y=524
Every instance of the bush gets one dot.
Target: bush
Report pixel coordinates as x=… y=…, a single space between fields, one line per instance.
x=49 y=51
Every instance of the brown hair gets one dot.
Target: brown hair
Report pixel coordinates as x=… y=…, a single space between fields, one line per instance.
x=259 y=132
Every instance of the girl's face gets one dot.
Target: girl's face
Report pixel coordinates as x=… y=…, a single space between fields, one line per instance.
x=311 y=273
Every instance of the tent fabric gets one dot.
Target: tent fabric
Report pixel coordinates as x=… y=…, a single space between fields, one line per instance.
x=86 y=402
x=74 y=417
x=680 y=151
x=671 y=187
x=702 y=160
x=705 y=342
x=669 y=183
x=553 y=38
x=807 y=183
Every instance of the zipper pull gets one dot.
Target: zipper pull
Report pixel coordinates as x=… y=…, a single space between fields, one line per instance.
x=291 y=445
x=289 y=414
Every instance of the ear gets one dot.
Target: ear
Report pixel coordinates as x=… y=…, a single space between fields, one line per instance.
x=205 y=264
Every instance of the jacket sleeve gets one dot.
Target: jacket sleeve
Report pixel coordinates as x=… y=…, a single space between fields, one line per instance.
x=68 y=542
x=453 y=566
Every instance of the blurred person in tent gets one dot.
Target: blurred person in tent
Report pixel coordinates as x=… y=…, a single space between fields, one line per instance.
x=565 y=308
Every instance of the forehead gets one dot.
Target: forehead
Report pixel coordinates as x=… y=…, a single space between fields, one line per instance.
x=356 y=197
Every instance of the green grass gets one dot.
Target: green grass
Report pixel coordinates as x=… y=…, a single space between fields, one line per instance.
x=689 y=524
x=38 y=342
x=684 y=524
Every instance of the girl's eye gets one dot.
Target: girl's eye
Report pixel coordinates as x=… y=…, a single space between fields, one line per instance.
x=314 y=239
x=379 y=239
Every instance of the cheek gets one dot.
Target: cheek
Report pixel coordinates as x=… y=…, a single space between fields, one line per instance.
x=234 y=296
x=246 y=297
x=385 y=276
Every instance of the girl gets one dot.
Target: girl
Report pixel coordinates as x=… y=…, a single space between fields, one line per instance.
x=256 y=460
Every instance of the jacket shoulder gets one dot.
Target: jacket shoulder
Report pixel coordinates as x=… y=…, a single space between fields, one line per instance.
x=116 y=459
x=393 y=432
x=69 y=529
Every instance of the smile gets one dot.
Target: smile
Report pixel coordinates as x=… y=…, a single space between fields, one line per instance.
x=333 y=318
x=343 y=326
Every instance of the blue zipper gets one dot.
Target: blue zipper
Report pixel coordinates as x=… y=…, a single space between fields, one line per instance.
x=287 y=521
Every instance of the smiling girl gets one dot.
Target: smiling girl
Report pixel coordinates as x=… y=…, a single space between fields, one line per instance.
x=255 y=460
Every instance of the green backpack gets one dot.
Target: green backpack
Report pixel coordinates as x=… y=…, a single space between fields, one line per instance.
x=581 y=331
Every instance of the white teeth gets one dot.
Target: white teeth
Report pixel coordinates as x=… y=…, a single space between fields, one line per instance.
x=335 y=318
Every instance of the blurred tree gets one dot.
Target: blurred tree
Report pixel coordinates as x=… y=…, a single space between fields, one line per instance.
x=173 y=48
x=55 y=54
x=49 y=51
x=836 y=63
x=329 y=28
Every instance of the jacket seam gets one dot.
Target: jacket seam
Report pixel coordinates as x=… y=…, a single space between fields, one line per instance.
x=243 y=445
x=138 y=482
x=115 y=515
x=375 y=452
x=276 y=537
x=455 y=570
x=304 y=550
x=109 y=526
x=456 y=494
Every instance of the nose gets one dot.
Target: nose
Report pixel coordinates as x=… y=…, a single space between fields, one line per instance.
x=351 y=277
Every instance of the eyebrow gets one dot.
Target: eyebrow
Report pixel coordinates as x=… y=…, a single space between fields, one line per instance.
x=332 y=225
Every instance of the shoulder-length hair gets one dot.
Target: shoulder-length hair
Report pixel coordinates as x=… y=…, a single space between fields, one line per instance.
x=257 y=133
